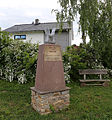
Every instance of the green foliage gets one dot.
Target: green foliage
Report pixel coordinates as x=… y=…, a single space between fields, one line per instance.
x=74 y=57
x=92 y=57
x=89 y=11
x=4 y=42
x=52 y=108
x=101 y=34
x=17 y=59
x=95 y=20
x=81 y=57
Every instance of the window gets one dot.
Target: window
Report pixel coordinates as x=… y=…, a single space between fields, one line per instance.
x=23 y=36
x=17 y=37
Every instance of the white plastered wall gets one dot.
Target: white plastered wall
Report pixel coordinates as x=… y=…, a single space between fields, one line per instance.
x=33 y=37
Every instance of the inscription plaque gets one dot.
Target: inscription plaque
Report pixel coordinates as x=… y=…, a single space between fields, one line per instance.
x=52 y=53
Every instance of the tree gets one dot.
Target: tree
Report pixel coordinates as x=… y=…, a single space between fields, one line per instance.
x=95 y=20
x=87 y=10
x=101 y=34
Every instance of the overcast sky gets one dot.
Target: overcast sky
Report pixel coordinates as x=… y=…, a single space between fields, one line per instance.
x=14 y=12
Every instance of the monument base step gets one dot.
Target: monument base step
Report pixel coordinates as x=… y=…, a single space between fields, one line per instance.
x=50 y=102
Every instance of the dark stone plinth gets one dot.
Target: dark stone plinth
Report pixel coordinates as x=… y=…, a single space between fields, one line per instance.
x=50 y=72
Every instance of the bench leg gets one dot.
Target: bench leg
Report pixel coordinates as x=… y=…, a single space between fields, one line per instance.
x=83 y=84
x=106 y=84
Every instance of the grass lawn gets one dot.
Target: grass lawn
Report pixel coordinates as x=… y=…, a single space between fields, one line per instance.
x=87 y=103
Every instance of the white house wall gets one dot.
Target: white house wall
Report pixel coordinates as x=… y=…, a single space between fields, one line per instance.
x=33 y=37
x=70 y=37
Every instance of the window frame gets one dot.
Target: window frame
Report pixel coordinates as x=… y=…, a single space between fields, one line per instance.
x=20 y=37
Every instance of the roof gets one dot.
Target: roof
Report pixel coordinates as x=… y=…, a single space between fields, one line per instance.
x=36 y=27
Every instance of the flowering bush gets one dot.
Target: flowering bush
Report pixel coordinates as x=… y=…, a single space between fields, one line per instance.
x=17 y=59
x=67 y=68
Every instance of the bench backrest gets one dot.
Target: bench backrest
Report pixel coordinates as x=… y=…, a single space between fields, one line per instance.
x=92 y=71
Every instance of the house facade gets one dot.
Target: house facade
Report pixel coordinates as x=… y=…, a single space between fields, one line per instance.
x=35 y=33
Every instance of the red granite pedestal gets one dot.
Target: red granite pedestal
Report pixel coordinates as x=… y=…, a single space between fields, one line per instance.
x=50 y=92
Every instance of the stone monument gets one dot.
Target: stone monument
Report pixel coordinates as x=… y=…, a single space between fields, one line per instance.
x=50 y=92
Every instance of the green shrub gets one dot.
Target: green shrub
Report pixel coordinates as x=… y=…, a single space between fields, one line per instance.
x=81 y=57
x=74 y=57
x=17 y=59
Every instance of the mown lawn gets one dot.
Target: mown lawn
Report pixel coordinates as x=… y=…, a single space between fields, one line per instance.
x=87 y=103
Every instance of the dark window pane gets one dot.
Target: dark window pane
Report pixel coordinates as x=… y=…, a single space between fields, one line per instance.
x=17 y=37
x=23 y=36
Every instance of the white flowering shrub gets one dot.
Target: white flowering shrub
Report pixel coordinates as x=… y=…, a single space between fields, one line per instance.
x=22 y=78
x=67 y=68
x=9 y=74
x=17 y=59
x=1 y=73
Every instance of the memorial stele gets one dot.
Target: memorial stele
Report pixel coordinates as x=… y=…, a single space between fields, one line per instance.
x=50 y=89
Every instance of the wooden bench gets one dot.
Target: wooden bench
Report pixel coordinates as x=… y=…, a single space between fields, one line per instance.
x=98 y=82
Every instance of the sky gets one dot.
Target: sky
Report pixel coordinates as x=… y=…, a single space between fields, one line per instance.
x=13 y=12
